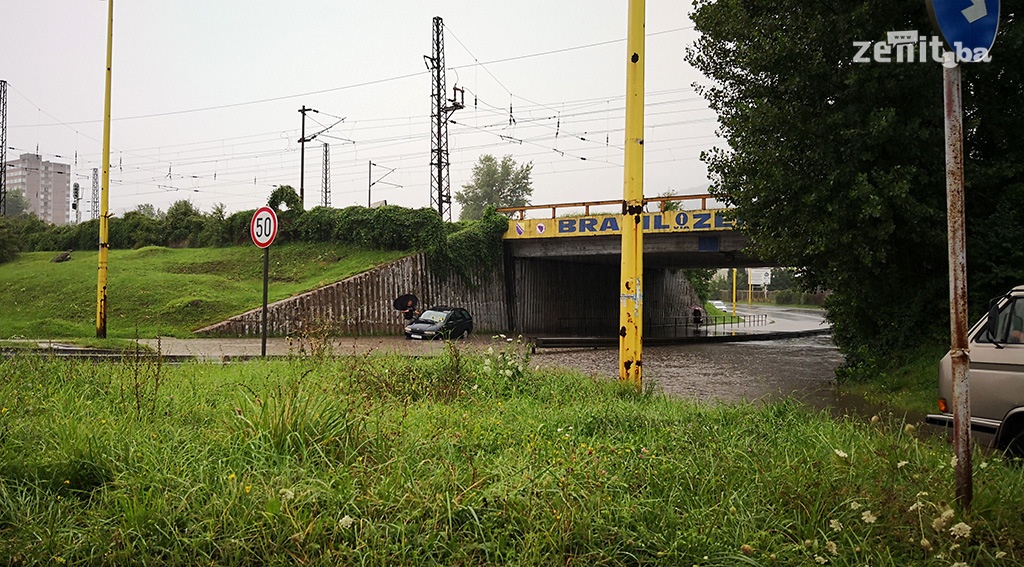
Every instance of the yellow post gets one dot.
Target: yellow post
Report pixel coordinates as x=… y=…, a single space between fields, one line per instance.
x=101 y=282
x=631 y=288
x=750 y=286
x=734 y=292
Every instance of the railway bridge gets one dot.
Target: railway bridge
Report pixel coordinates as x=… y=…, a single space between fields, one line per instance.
x=562 y=264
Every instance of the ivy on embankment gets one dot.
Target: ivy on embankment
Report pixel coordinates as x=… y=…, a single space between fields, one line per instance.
x=461 y=249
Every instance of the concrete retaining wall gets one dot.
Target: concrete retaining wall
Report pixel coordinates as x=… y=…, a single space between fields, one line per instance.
x=362 y=304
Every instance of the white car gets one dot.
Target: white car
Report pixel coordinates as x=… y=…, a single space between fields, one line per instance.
x=720 y=305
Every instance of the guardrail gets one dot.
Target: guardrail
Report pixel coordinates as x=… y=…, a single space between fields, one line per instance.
x=675 y=327
x=520 y=212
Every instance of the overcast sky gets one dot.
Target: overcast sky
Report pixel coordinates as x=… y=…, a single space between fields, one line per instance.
x=206 y=96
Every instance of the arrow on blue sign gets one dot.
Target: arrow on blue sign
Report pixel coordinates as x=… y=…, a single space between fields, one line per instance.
x=968 y=26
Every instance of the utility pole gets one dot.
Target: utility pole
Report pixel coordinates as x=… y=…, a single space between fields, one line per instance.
x=632 y=266
x=3 y=147
x=440 y=192
x=327 y=175
x=302 y=155
x=101 y=281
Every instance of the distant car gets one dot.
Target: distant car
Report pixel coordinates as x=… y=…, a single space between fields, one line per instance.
x=440 y=322
x=720 y=305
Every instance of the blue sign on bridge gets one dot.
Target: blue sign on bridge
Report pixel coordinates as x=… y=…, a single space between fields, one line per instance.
x=968 y=26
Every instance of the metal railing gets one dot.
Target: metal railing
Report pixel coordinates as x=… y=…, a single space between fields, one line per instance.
x=520 y=212
x=674 y=327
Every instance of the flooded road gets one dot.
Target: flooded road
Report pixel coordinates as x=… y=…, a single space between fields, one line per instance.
x=799 y=368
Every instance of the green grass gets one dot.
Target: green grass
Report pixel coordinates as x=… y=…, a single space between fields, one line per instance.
x=462 y=460
x=721 y=317
x=910 y=387
x=162 y=291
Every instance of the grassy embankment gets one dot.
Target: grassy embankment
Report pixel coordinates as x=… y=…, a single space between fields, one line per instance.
x=463 y=460
x=162 y=291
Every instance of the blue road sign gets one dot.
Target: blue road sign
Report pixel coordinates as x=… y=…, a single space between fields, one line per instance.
x=968 y=26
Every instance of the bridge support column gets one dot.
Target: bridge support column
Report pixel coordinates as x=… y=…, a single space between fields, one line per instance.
x=631 y=288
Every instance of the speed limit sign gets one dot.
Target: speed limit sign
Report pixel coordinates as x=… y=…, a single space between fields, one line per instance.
x=263 y=227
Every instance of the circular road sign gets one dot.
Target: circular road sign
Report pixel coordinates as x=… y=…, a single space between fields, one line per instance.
x=263 y=227
x=968 y=26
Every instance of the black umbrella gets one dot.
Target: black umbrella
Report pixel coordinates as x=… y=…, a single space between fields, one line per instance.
x=407 y=301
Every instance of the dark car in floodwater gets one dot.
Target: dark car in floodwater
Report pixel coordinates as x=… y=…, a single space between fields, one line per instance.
x=440 y=322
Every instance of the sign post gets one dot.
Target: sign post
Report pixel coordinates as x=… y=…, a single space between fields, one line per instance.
x=969 y=32
x=263 y=229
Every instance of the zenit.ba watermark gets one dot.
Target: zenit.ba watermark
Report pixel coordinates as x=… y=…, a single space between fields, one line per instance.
x=912 y=47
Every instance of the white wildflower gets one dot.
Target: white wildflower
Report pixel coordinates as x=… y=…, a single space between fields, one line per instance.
x=954 y=461
x=840 y=453
x=832 y=548
x=868 y=517
x=984 y=464
x=1000 y=554
x=960 y=530
x=836 y=525
x=902 y=464
x=855 y=505
x=286 y=494
x=820 y=560
x=941 y=521
x=346 y=522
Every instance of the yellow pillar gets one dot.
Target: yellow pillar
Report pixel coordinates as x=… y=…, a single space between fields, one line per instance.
x=631 y=287
x=101 y=281
x=734 y=292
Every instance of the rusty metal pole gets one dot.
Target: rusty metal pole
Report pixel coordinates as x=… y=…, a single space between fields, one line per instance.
x=958 y=322
x=632 y=266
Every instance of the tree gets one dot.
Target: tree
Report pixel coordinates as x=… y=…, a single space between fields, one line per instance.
x=182 y=225
x=495 y=184
x=837 y=167
x=149 y=211
x=8 y=243
x=17 y=204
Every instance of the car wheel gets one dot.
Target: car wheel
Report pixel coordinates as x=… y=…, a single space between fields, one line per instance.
x=1015 y=447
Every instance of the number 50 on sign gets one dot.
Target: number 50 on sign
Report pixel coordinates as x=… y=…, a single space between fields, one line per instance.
x=263 y=227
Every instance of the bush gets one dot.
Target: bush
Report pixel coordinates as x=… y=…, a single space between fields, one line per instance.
x=8 y=243
x=134 y=230
x=236 y=228
x=182 y=225
x=319 y=224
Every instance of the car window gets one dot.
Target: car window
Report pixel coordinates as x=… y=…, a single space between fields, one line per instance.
x=431 y=315
x=1009 y=325
x=1016 y=322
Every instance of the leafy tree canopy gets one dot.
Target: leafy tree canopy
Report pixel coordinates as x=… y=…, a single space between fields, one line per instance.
x=496 y=184
x=837 y=167
x=16 y=204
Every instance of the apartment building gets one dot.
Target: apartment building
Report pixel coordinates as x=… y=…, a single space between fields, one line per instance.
x=46 y=186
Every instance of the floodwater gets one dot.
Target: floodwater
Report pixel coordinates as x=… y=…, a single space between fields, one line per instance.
x=756 y=371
